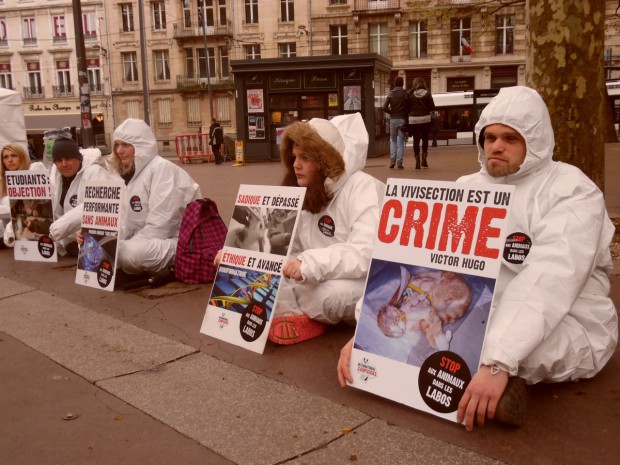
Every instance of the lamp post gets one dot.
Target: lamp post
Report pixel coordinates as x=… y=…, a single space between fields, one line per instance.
x=145 y=73
x=88 y=136
x=203 y=17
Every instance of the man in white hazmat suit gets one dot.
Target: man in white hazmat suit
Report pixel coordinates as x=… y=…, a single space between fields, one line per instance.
x=71 y=169
x=552 y=318
x=333 y=244
x=157 y=194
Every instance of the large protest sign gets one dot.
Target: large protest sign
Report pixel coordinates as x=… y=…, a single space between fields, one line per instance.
x=429 y=291
x=245 y=290
x=30 y=197
x=101 y=216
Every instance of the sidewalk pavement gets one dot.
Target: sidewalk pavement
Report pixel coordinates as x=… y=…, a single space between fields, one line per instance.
x=92 y=377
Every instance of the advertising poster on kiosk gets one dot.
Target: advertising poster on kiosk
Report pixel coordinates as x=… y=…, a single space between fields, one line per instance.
x=101 y=216
x=436 y=259
x=30 y=200
x=259 y=240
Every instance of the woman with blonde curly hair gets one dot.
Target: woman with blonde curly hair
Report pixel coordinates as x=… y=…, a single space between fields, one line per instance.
x=333 y=244
x=14 y=158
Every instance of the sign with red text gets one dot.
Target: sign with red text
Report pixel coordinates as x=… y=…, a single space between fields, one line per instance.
x=101 y=216
x=259 y=239
x=30 y=198
x=424 y=315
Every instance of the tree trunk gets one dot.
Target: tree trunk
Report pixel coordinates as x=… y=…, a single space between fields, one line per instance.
x=565 y=65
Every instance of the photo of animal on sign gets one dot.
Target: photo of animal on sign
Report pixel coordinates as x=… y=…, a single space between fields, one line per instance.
x=261 y=229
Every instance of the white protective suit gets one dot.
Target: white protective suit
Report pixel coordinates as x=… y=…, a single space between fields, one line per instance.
x=334 y=268
x=66 y=224
x=6 y=227
x=552 y=317
x=156 y=197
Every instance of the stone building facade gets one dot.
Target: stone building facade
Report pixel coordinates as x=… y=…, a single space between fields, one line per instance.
x=453 y=44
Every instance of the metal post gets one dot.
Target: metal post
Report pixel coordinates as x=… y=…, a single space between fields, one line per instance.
x=88 y=136
x=145 y=72
x=204 y=34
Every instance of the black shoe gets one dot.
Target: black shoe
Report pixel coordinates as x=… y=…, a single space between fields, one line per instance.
x=512 y=406
x=392 y=164
x=424 y=164
x=400 y=166
x=73 y=249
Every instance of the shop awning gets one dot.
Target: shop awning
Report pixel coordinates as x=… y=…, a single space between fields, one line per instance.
x=36 y=124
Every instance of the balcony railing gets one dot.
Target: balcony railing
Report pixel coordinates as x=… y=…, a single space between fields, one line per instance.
x=195 y=30
x=192 y=82
x=30 y=41
x=461 y=59
x=34 y=92
x=4 y=42
x=90 y=37
x=59 y=39
x=371 y=5
x=63 y=91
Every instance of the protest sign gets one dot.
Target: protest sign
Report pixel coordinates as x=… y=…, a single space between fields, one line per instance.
x=436 y=258
x=30 y=198
x=245 y=290
x=101 y=216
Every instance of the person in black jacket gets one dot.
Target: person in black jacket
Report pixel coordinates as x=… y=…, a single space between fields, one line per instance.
x=397 y=106
x=421 y=105
x=216 y=138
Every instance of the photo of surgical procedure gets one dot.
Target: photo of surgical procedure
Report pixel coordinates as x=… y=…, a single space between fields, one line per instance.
x=31 y=218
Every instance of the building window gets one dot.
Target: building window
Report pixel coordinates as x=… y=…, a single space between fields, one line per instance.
x=4 y=33
x=205 y=8
x=190 y=67
x=94 y=76
x=252 y=52
x=187 y=14
x=460 y=35
x=59 y=29
x=337 y=2
x=130 y=67
x=133 y=109
x=222 y=10
x=159 y=16
x=339 y=39
x=505 y=37
x=224 y=67
x=162 y=68
x=418 y=40
x=193 y=112
x=89 y=25
x=63 y=79
x=202 y=65
x=127 y=17
x=35 y=89
x=378 y=36
x=164 y=115
x=287 y=10
x=29 y=31
x=222 y=108
x=251 y=11
x=6 y=77
x=288 y=50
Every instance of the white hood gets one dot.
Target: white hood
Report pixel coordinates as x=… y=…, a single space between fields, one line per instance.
x=137 y=133
x=524 y=110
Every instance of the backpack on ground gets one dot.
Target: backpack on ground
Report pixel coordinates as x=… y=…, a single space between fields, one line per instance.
x=201 y=236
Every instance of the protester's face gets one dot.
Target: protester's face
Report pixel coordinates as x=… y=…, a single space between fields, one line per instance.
x=305 y=169
x=67 y=167
x=125 y=152
x=10 y=160
x=504 y=149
